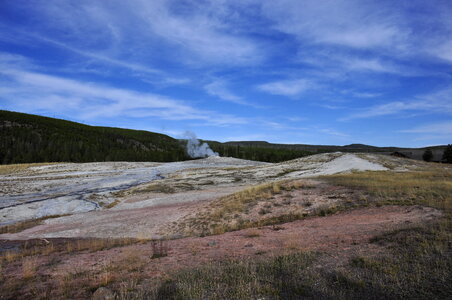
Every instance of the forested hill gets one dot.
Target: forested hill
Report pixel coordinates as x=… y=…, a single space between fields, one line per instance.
x=26 y=138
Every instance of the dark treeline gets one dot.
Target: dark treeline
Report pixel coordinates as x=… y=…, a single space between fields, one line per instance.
x=256 y=152
x=28 y=138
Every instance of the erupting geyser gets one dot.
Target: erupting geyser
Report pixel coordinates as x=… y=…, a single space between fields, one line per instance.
x=195 y=149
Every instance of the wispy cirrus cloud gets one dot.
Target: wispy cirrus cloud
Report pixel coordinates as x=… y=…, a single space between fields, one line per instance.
x=371 y=25
x=97 y=56
x=219 y=89
x=372 y=65
x=444 y=51
x=145 y=73
x=287 y=87
x=443 y=128
x=436 y=102
x=31 y=91
x=140 y=30
x=353 y=23
x=436 y=132
x=204 y=33
x=365 y=94
x=186 y=61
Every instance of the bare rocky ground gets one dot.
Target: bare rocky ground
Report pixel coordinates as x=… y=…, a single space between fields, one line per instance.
x=168 y=202
x=337 y=237
x=121 y=199
x=316 y=233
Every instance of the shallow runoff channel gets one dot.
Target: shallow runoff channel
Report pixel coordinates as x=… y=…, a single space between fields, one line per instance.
x=72 y=191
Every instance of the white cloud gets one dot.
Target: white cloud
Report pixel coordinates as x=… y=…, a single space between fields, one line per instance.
x=154 y=76
x=436 y=102
x=349 y=23
x=441 y=128
x=218 y=88
x=436 y=133
x=333 y=132
x=366 y=94
x=287 y=87
x=29 y=91
x=100 y=57
x=201 y=32
x=387 y=28
x=248 y=137
x=443 y=51
x=339 y=63
x=296 y=119
x=11 y=60
x=142 y=30
x=332 y=107
x=375 y=65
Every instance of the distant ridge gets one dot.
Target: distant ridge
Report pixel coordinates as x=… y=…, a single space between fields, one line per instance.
x=27 y=138
x=414 y=153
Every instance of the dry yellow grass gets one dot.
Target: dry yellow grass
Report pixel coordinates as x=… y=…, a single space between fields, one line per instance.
x=156 y=187
x=112 y=204
x=428 y=187
x=226 y=213
x=16 y=168
x=276 y=189
x=291 y=242
x=238 y=202
x=252 y=233
x=107 y=274
x=431 y=188
x=69 y=246
x=130 y=261
x=94 y=245
x=9 y=256
x=29 y=267
x=21 y=226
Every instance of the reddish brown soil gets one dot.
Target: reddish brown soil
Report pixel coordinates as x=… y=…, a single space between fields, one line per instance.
x=137 y=222
x=339 y=236
x=141 y=222
x=339 y=232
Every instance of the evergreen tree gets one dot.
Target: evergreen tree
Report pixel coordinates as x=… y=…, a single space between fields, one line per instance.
x=428 y=155
x=447 y=155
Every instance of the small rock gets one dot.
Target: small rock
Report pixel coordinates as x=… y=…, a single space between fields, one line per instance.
x=211 y=243
x=249 y=245
x=103 y=293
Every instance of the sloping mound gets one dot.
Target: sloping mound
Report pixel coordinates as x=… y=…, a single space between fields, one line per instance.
x=219 y=161
x=349 y=162
x=321 y=164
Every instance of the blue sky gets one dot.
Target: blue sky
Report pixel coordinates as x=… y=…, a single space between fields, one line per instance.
x=287 y=71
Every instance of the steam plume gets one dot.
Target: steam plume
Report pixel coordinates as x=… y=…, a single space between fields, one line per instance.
x=195 y=149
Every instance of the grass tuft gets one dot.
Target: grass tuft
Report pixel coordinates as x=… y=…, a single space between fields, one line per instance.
x=429 y=188
x=224 y=214
x=17 y=168
x=29 y=267
x=21 y=226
